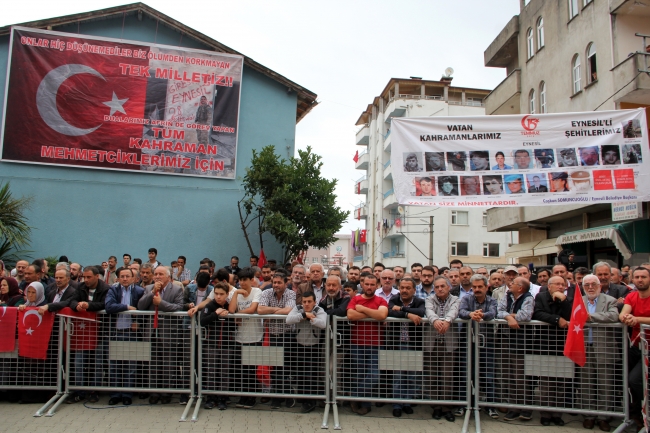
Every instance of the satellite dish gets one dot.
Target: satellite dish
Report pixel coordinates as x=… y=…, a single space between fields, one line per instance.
x=400 y=210
x=449 y=71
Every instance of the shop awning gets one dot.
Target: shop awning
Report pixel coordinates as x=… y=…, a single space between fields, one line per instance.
x=614 y=232
x=521 y=250
x=547 y=246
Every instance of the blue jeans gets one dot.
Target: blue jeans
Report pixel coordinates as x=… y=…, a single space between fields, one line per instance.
x=93 y=360
x=122 y=373
x=366 y=360
x=405 y=383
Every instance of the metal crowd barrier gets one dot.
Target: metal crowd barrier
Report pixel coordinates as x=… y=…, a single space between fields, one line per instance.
x=251 y=355
x=524 y=370
x=405 y=365
x=645 y=342
x=124 y=354
x=26 y=374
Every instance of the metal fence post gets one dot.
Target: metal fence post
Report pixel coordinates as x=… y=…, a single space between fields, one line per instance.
x=59 y=376
x=334 y=391
x=328 y=380
x=475 y=365
x=196 y=335
x=192 y=365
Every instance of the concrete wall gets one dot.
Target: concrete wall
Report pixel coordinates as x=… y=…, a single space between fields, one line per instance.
x=90 y=214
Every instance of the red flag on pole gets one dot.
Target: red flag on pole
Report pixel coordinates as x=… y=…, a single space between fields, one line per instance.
x=356 y=157
x=574 y=348
x=84 y=333
x=8 y=317
x=262 y=260
x=34 y=333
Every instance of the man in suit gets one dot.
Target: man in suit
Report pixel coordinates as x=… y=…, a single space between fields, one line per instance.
x=60 y=298
x=123 y=327
x=570 y=289
x=537 y=186
x=167 y=344
x=604 y=273
x=554 y=308
x=596 y=377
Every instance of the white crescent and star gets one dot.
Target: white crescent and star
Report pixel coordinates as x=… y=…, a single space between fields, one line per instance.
x=29 y=330
x=47 y=93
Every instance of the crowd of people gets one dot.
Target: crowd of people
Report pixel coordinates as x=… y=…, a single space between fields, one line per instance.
x=429 y=298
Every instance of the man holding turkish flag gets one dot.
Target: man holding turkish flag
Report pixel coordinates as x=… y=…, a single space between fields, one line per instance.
x=8 y=329
x=574 y=349
x=34 y=333
x=554 y=308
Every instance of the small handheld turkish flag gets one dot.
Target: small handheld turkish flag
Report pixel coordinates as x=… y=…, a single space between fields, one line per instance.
x=34 y=333
x=356 y=157
x=8 y=328
x=84 y=329
x=574 y=348
x=262 y=260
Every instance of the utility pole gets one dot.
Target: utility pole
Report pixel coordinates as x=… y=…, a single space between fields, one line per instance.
x=431 y=241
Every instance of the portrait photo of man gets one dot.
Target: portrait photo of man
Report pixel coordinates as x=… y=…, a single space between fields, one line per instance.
x=435 y=161
x=589 y=156
x=544 y=158
x=523 y=160
x=448 y=186
x=470 y=185
x=424 y=187
x=514 y=184
x=457 y=160
x=535 y=183
x=479 y=160
x=567 y=158
x=492 y=185
x=559 y=181
x=412 y=162
x=611 y=154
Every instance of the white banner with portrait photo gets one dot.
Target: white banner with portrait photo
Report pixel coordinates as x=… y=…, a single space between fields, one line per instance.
x=521 y=160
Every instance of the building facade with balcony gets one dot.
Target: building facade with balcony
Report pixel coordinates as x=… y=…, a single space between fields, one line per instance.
x=402 y=235
x=572 y=56
x=338 y=253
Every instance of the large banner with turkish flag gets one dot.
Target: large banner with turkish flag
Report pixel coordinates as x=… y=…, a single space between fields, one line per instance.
x=85 y=101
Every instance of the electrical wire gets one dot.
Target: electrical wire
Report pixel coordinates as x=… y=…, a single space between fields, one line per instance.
x=630 y=82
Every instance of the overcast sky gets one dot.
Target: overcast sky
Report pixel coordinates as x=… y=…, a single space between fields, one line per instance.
x=344 y=51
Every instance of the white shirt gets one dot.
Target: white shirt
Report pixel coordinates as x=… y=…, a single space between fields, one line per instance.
x=58 y=296
x=534 y=289
x=380 y=292
x=250 y=330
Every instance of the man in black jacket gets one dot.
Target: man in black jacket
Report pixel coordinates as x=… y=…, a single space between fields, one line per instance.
x=61 y=295
x=405 y=336
x=604 y=273
x=90 y=296
x=554 y=308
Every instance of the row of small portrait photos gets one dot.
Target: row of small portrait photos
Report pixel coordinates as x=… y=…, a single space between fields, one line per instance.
x=522 y=159
x=531 y=183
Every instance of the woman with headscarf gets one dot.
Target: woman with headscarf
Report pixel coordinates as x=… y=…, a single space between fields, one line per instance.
x=34 y=296
x=10 y=292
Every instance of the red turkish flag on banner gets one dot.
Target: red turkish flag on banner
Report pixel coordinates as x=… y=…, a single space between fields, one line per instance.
x=8 y=328
x=84 y=333
x=61 y=97
x=356 y=157
x=262 y=259
x=34 y=333
x=574 y=348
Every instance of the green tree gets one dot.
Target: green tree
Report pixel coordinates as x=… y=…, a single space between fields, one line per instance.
x=14 y=230
x=291 y=201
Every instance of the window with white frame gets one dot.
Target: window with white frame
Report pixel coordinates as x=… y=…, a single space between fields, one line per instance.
x=531 y=101
x=542 y=97
x=575 y=71
x=459 y=249
x=484 y=219
x=592 y=70
x=573 y=8
x=540 y=33
x=314 y=260
x=530 y=43
x=490 y=250
x=459 y=218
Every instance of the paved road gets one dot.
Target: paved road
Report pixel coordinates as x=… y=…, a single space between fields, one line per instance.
x=143 y=418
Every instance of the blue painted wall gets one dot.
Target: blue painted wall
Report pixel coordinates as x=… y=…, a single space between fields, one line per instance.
x=89 y=215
